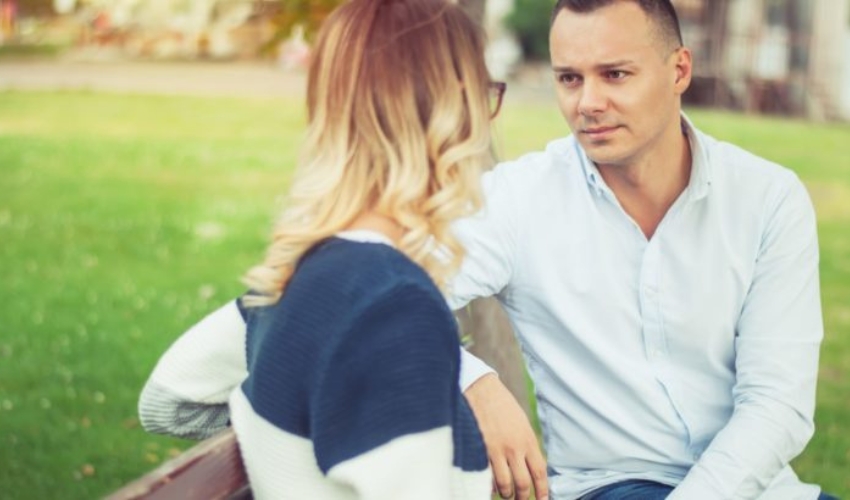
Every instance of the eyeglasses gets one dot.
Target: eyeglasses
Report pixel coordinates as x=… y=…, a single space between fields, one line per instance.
x=496 y=91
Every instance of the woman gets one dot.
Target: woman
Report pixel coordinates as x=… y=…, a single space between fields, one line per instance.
x=344 y=384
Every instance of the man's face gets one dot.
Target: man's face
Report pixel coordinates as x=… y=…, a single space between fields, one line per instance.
x=618 y=84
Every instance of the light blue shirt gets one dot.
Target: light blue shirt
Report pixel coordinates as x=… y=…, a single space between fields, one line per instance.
x=689 y=358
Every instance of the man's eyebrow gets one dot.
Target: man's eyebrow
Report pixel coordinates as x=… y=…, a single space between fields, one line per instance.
x=603 y=66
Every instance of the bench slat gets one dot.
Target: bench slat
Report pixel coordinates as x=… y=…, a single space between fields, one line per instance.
x=210 y=470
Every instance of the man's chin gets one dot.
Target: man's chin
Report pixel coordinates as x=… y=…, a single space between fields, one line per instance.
x=603 y=154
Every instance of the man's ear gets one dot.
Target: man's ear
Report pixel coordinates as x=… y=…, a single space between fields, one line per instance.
x=684 y=69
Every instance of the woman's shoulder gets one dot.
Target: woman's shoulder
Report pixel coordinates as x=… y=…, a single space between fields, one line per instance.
x=339 y=278
x=343 y=287
x=364 y=271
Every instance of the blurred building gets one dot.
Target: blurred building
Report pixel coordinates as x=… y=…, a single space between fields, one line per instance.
x=783 y=56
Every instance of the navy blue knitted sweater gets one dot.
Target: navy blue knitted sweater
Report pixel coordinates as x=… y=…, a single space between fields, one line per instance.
x=357 y=365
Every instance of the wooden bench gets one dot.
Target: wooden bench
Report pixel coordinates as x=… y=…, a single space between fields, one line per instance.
x=211 y=469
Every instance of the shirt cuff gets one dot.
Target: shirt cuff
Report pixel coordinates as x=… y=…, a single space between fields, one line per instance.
x=471 y=369
x=697 y=486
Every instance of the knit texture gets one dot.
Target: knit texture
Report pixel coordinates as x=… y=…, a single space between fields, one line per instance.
x=360 y=361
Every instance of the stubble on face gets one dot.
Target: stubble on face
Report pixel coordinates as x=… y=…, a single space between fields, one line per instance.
x=615 y=119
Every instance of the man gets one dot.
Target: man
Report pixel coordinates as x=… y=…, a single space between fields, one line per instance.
x=663 y=286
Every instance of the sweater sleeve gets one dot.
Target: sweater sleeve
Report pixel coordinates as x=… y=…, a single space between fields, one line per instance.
x=382 y=410
x=186 y=394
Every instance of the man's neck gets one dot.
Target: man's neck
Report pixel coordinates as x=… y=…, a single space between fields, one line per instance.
x=647 y=188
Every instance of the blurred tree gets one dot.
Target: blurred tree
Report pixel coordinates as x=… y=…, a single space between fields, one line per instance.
x=475 y=8
x=307 y=13
x=311 y=13
x=35 y=7
x=484 y=322
x=530 y=21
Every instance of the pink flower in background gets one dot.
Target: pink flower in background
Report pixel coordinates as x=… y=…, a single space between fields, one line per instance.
x=294 y=53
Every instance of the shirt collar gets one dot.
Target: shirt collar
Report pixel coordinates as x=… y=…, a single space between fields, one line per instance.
x=700 y=173
x=700 y=166
x=364 y=236
x=591 y=172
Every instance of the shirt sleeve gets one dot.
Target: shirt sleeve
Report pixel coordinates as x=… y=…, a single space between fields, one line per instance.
x=471 y=369
x=489 y=242
x=777 y=345
x=186 y=394
x=381 y=413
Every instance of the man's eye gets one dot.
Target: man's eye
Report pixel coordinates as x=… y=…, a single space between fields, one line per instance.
x=617 y=74
x=568 y=79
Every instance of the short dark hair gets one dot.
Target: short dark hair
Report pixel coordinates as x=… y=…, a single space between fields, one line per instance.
x=661 y=12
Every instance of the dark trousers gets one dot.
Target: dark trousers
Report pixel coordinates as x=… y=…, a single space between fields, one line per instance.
x=643 y=490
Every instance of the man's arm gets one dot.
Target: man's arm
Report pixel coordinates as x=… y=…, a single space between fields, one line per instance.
x=777 y=345
x=512 y=447
x=490 y=243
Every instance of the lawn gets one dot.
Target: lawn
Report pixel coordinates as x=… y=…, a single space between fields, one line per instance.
x=123 y=219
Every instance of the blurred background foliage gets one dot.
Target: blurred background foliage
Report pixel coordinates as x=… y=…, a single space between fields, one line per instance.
x=308 y=14
x=530 y=22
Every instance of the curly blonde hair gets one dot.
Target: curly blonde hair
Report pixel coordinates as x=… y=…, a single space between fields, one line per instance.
x=398 y=123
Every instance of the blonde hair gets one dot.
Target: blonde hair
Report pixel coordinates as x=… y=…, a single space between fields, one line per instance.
x=398 y=123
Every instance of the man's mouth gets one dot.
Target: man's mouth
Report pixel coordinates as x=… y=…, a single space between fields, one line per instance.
x=598 y=132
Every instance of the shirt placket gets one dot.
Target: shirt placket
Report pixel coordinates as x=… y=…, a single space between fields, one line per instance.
x=654 y=342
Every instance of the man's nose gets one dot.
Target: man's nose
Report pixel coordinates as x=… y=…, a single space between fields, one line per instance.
x=593 y=99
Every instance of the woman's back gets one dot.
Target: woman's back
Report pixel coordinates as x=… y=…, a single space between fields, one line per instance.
x=347 y=386
x=353 y=375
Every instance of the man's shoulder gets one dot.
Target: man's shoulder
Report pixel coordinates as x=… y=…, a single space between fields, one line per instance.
x=557 y=158
x=751 y=183
x=734 y=163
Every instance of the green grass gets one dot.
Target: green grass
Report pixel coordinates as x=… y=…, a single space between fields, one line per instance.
x=26 y=51
x=123 y=219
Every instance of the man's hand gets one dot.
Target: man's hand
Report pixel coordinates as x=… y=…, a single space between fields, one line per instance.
x=512 y=447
